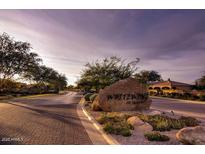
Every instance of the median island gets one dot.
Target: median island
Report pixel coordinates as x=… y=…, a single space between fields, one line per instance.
x=123 y=109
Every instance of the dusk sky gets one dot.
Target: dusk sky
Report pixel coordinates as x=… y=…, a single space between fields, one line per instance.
x=171 y=42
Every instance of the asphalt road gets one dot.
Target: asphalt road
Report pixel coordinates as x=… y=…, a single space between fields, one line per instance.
x=196 y=109
x=42 y=120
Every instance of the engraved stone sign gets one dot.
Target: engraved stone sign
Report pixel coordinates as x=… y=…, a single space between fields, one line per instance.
x=124 y=95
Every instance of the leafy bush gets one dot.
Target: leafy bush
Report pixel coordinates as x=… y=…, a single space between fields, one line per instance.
x=189 y=121
x=164 y=123
x=92 y=97
x=115 y=123
x=117 y=129
x=125 y=132
x=194 y=97
x=202 y=97
x=161 y=125
x=87 y=96
x=156 y=136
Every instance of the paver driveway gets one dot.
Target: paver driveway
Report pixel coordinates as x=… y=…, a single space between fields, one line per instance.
x=42 y=120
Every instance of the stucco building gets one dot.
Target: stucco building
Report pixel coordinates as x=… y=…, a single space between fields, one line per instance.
x=166 y=87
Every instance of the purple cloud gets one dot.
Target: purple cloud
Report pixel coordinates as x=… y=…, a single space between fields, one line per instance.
x=169 y=41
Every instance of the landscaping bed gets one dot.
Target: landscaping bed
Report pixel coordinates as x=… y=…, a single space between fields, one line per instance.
x=155 y=129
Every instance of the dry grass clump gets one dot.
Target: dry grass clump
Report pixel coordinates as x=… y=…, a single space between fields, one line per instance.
x=165 y=123
x=115 y=123
x=156 y=136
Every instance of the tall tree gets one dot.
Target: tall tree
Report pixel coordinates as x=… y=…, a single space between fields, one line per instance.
x=45 y=75
x=15 y=57
x=148 y=76
x=103 y=73
x=200 y=83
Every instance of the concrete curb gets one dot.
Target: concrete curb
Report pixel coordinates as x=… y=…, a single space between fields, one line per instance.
x=109 y=139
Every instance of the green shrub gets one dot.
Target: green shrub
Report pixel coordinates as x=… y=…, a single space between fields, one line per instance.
x=125 y=132
x=87 y=96
x=194 y=97
x=164 y=123
x=156 y=136
x=108 y=127
x=92 y=97
x=161 y=125
x=115 y=123
x=117 y=129
x=202 y=97
x=189 y=121
x=176 y=124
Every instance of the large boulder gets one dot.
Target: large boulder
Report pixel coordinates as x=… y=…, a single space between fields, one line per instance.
x=146 y=127
x=95 y=105
x=139 y=125
x=124 y=95
x=154 y=112
x=135 y=121
x=192 y=135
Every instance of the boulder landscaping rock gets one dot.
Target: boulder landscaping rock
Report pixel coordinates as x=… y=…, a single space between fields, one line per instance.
x=139 y=125
x=95 y=105
x=154 y=112
x=192 y=135
x=145 y=127
x=135 y=121
x=124 y=95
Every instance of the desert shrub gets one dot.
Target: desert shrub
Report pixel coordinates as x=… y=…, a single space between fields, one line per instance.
x=92 y=97
x=189 y=121
x=161 y=125
x=87 y=96
x=176 y=124
x=117 y=129
x=194 y=97
x=164 y=123
x=125 y=132
x=156 y=136
x=113 y=116
x=202 y=98
x=108 y=127
x=115 y=123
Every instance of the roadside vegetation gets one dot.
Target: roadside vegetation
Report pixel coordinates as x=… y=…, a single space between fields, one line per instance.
x=22 y=71
x=146 y=77
x=156 y=136
x=165 y=123
x=102 y=73
x=115 y=123
x=87 y=96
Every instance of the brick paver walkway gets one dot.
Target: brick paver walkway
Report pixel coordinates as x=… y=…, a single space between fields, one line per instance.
x=43 y=120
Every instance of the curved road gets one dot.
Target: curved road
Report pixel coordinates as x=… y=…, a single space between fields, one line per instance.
x=55 y=119
x=42 y=120
x=187 y=108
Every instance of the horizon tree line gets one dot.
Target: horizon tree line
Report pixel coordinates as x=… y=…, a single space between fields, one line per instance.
x=18 y=61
